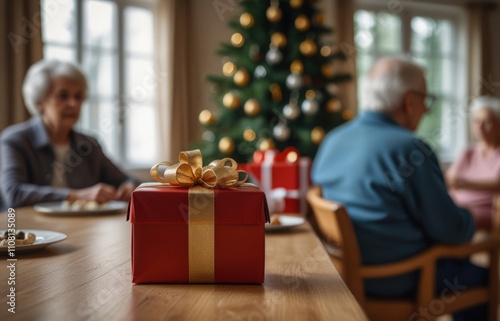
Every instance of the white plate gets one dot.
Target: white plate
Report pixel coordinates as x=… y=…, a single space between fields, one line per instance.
x=44 y=238
x=287 y=222
x=58 y=208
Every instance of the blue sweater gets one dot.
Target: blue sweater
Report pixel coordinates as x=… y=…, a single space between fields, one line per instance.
x=391 y=185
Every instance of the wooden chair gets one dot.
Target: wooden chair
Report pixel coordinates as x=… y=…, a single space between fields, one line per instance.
x=495 y=219
x=338 y=235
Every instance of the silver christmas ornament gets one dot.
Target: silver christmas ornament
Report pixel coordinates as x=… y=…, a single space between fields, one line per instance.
x=208 y=136
x=281 y=132
x=260 y=71
x=294 y=81
x=291 y=111
x=274 y=56
x=310 y=106
x=332 y=89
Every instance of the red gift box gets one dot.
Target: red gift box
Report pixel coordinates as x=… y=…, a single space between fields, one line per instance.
x=284 y=177
x=175 y=241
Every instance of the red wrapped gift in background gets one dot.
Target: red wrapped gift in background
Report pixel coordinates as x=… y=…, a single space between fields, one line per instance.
x=284 y=177
x=198 y=234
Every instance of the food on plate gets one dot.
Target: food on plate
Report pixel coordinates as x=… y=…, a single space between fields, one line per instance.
x=275 y=219
x=19 y=235
x=20 y=239
x=79 y=205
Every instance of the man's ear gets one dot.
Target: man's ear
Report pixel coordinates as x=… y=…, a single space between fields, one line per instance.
x=408 y=102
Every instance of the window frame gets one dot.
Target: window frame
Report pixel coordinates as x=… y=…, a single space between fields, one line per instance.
x=457 y=114
x=120 y=98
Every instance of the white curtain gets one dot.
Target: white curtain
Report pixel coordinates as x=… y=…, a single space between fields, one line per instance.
x=172 y=62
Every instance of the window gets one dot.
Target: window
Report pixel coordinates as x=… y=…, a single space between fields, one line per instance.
x=434 y=37
x=113 y=42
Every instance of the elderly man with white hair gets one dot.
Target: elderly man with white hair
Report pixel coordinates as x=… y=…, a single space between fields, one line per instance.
x=391 y=184
x=474 y=179
x=44 y=159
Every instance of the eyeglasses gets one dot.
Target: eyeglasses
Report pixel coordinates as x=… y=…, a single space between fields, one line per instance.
x=428 y=99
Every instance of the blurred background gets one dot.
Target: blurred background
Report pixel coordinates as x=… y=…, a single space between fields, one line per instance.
x=147 y=62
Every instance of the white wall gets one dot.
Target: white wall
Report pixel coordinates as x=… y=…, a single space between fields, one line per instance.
x=208 y=29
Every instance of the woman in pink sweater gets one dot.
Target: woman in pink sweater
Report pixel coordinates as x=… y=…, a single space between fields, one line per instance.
x=474 y=179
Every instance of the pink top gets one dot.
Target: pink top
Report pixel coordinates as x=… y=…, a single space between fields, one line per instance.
x=474 y=165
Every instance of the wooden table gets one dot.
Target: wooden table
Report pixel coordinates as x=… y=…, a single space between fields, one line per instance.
x=87 y=277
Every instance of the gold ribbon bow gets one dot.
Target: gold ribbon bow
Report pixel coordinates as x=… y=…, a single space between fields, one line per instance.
x=190 y=171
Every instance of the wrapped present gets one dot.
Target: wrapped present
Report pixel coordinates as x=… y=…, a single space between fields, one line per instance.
x=198 y=224
x=284 y=177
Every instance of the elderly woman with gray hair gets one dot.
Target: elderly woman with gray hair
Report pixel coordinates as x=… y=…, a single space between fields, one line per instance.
x=45 y=159
x=474 y=178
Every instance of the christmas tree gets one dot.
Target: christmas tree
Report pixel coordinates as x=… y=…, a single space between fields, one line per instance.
x=278 y=87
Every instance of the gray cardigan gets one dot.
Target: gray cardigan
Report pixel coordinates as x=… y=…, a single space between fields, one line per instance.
x=27 y=164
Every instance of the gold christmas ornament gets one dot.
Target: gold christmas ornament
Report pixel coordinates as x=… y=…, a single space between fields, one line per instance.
x=241 y=78
x=266 y=144
x=278 y=39
x=326 y=51
x=310 y=94
x=302 y=23
x=327 y=71
x=348 y=114
x=333 y=105
x=237 y=40
x=231 y=100
x=252 y=107
x=295 y=4
x=319 y=18
x=292 y=157
x=207 y=118
x=275 y=90
x=317 y=135
x=246 y=20
x=296 y=67
x=228 y=68
x=249 y=135
x=226 y=145
x=273 y=14
x=308 y=47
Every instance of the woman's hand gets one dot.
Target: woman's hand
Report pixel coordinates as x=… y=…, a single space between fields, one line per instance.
x=457 y=183
x=101 y=193
x=124 y=191
x=454 y=182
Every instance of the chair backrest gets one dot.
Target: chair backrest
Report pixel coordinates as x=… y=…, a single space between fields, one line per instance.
x=495 y=217
x=336 y=228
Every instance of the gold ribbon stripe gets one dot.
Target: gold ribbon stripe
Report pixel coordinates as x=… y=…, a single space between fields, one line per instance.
x=201 y=235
